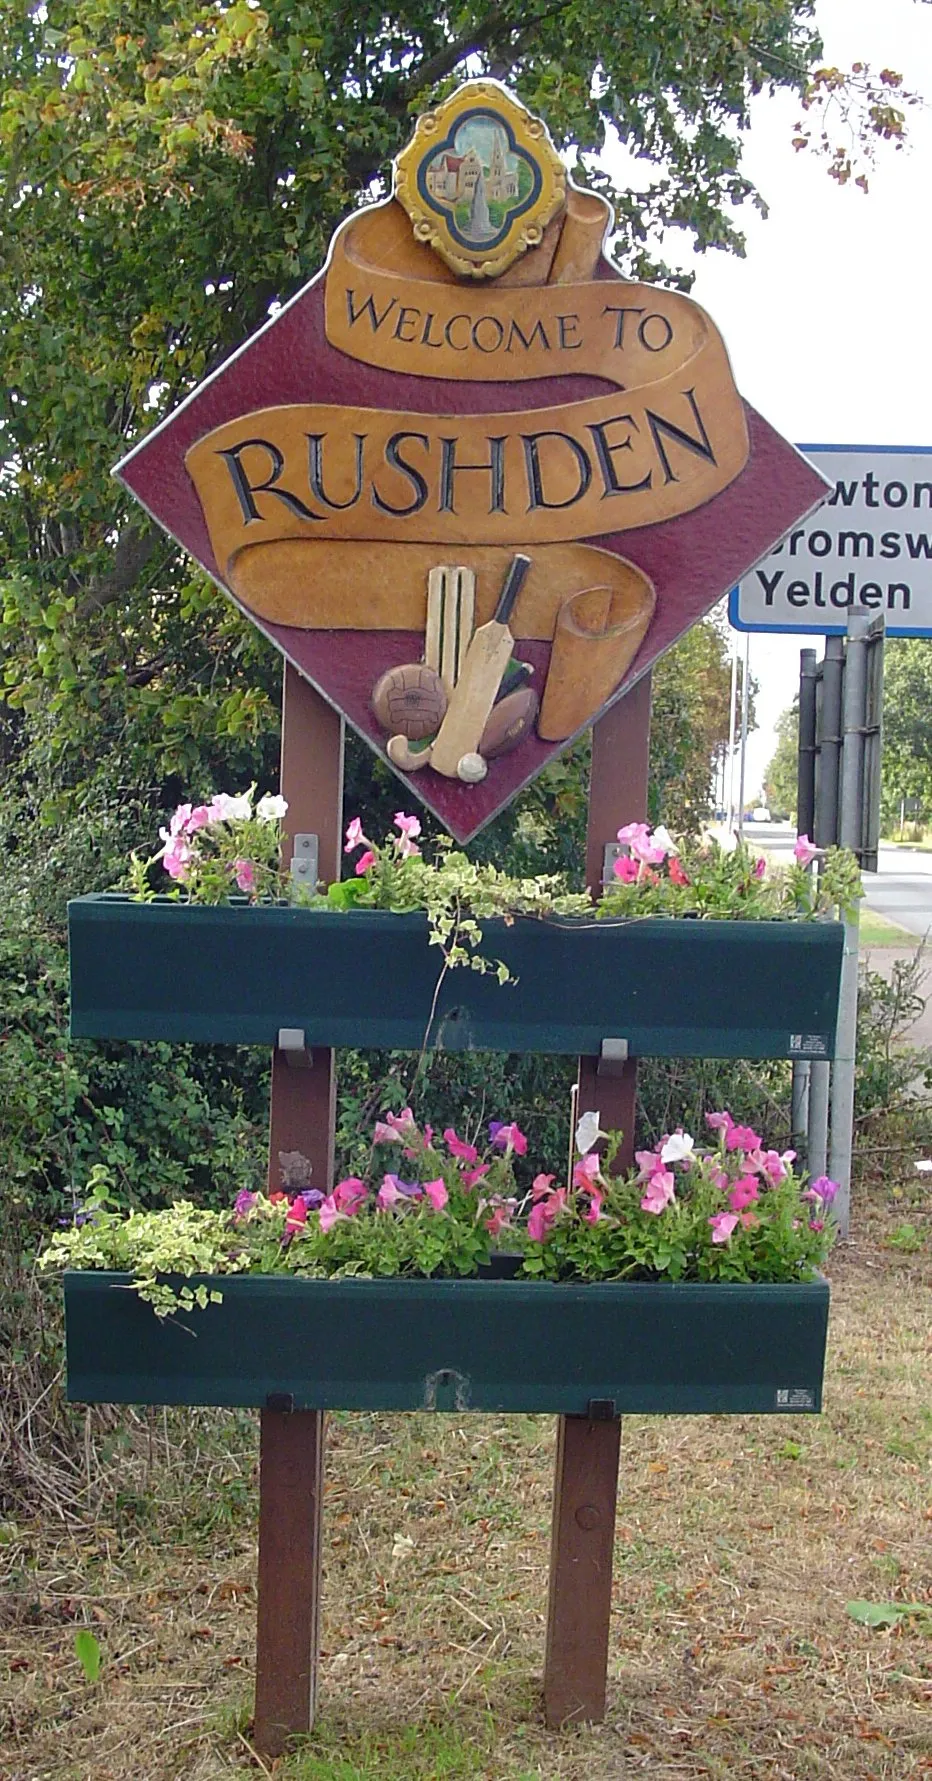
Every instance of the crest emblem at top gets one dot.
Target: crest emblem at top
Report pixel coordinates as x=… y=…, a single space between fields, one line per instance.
x=480 y=180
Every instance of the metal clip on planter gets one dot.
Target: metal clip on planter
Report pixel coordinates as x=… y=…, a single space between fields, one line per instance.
x=613 y=1056
x=292 y=1042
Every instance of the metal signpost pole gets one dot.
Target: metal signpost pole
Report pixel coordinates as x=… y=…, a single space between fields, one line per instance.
x=805 y=823
x=849 y=835
x=744 y=730
x=825 y=834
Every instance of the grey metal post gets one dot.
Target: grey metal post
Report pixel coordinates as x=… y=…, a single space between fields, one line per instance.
x=744 y=730
x=800 y=1106
x=805 y=824
x=825 y=834
x=825 y=814
x=849 y=834
x=805 y=775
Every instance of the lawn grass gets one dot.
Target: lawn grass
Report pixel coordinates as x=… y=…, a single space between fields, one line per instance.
x=739 y=1542
x=876 y=930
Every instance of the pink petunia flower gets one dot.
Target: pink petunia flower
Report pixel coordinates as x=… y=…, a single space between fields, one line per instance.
x=541 y=1185
x=723 y=1223
x=543 y=1216
x=676 y=873
x=743 y=1194
x=759 y=868
x=648 y=1162
x=348 y=1195
x=634 y=832
x=804 y=852
x=177 y=858
x=467 y=1153
x=587 y=1171
x=508 y=1138
x=741 y=1137
x=388 y=1194
x=409 y=825
x=499 y=1217
x=364 y=861
x=395 y=1128
x=436 y=1193
x=330 y=1213
x=595 y=1207
x=296 y=1218
x=471 y=1176
x=626 y=868
x=244 y=872
x=719 y=1122
x=354 y=836
x=661 y=1191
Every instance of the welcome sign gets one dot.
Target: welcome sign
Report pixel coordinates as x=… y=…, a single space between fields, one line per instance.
x=470 y=480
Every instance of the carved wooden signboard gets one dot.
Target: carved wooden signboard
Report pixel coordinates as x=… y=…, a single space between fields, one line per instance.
x=470 y=480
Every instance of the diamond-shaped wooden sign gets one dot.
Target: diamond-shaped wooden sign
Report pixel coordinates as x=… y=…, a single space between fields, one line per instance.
x=473 y=509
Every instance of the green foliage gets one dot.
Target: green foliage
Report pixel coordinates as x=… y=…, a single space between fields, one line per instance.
x=886 y=1614
x=87 y=1652
x=780 y=778
x=162 y=1119
x=907 y=735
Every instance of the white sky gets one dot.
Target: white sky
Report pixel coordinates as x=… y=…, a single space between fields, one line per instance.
x=828 y=318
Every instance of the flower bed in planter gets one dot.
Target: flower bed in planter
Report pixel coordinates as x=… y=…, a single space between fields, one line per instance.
x=485 y=1345
x=236 y=974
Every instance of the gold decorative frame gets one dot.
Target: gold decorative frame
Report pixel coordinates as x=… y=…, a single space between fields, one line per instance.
x=434 y=216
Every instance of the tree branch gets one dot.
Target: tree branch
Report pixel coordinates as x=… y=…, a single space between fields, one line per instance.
x=131 y=553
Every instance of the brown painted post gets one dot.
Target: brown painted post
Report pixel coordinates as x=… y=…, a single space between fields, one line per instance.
x=586 y=1478
x=291 y=1462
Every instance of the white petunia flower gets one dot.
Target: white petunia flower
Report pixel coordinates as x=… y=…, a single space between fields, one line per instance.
x=588 y=1133
x=271 y=808
x=679 y=1148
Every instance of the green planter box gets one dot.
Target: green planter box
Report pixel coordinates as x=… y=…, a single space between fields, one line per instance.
x=236 y=974
x=490 y=1345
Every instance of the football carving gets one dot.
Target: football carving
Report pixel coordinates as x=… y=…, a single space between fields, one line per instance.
x=410 y=701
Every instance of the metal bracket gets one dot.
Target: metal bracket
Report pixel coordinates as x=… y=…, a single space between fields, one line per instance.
x=304 y=861
x=613 y=1055
x=292 y=1042
x=612 y=851
x=280 y=1400
x=601 y=1410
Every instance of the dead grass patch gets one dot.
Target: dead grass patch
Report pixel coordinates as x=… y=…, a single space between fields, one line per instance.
x=740 y=1540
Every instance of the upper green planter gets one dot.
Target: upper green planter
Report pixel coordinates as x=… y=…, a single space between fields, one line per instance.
x=237 y=974
x=492 y=1345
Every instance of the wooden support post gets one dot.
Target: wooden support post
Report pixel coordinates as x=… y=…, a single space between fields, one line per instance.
x=292 y=1443
x=586 y=1477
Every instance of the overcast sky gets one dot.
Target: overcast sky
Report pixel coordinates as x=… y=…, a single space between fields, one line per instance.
x=827 y=320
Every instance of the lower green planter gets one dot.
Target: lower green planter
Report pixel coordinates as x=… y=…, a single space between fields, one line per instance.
x=238 y=974
x=282 y=1342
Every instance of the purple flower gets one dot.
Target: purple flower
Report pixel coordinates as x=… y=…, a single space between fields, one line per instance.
x=244 y=1203
x=823 y=1188
x=312 y=1198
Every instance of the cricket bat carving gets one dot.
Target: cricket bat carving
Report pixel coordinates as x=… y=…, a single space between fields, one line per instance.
x=455 y=751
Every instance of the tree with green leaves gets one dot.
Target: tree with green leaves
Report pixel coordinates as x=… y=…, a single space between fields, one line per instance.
x=780 y=778
x=907 y=729
x=168 y=174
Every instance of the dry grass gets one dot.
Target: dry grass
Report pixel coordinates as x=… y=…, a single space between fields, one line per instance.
x=739 y=1542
